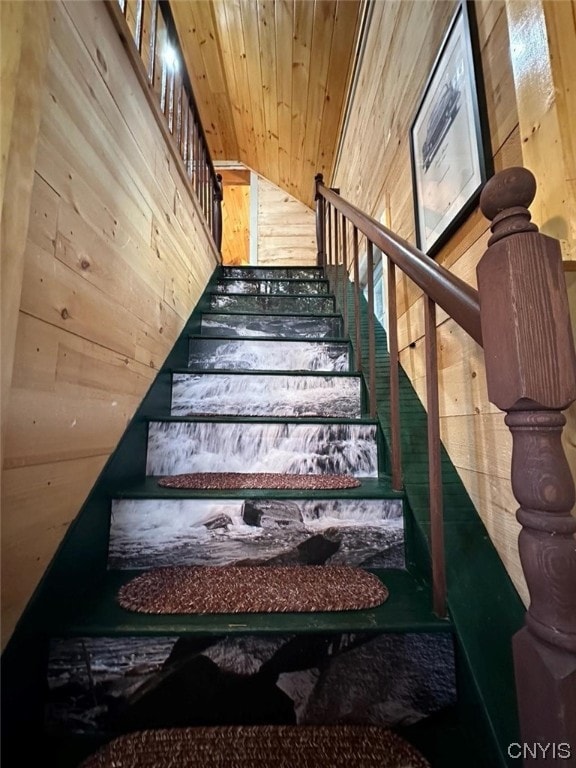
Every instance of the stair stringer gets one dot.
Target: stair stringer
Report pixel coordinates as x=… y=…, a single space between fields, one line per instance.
x=81 y=557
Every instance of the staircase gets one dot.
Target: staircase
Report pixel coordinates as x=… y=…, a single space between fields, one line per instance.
x=261 y=380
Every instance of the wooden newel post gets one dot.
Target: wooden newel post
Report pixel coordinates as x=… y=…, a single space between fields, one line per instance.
x=320 y=222
x=217 y=210
x=531 y=374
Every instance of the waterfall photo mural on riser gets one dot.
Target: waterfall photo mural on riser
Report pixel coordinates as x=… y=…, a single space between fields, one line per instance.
x=176 y=447
x=268 y=355
x=147 y=533
x=113 y=685
x=274 y=273
x=302 y=326
x=266 y=395
x=263 y=287
x=269 y=303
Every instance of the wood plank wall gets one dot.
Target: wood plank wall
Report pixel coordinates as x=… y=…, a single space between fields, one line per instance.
x=236 y=224
x=286 y=228
x=374 y=166
x=116 y=259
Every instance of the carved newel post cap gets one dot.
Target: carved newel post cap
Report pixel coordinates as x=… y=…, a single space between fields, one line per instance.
x=512 y=188
x=505 y=200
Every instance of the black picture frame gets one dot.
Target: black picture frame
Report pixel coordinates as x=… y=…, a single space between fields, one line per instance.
x=450 y=148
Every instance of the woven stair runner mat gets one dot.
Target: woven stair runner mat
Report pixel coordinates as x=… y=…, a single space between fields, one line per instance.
x=237 y=480
x=263 y=746
x=252 y=589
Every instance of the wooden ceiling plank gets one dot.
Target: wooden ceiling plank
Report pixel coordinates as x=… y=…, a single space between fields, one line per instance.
x=214 y=82
x=268 y=63
x=255 y=94
x=231 y=77
x=322 y=35
x=284 y=15
x=304 y=12
x=228 y=16
x=341 y=53
x=262 y=72
x=206 y=77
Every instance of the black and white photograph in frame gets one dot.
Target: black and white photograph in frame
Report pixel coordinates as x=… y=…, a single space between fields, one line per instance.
x=449 y=139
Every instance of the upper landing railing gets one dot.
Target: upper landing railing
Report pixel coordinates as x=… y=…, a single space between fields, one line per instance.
x=520 y=316
x=147 y=29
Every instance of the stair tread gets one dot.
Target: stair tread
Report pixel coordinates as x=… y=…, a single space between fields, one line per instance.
x=246 y=277
x=370 y=488
x=329 y=295
x=274 y=372
x=362 y=421
x=284 y=315
x=408 y=609
x=308 y=339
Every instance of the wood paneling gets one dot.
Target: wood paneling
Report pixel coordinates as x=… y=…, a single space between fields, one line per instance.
x=236 y=224
x=47 y=499
x=270 y=80
x=24 y=49
x=115 y=259
x=546 y=32
x=279 y=228
x=374 y=167
x=286 y=228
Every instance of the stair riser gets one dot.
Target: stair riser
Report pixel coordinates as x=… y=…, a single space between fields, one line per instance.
x=273 y=287
x=278 y=304
x=248 y=354
x=180 y=447
x=261 y=395
x=271 y=273
x=149 y=533
x=320 y=327
x=146 y=682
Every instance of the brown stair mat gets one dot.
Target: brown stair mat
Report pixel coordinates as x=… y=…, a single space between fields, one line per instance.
x=280 y=746
x=237 y=480
x=252 y=589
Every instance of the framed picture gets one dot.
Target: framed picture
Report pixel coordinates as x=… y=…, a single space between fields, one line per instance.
x=449 y=138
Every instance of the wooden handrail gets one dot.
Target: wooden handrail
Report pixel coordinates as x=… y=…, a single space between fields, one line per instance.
x=452 y=294
x=522 y=306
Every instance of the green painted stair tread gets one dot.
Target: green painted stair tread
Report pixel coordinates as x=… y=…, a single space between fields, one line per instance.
x=408 y=609
x=224 y=270
x=369 y=488
x=364 y=421
x=310 y=339
x=457 y=507
x=247 y=277
x=329 y=295
x=275 y=372
x=282 y=315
